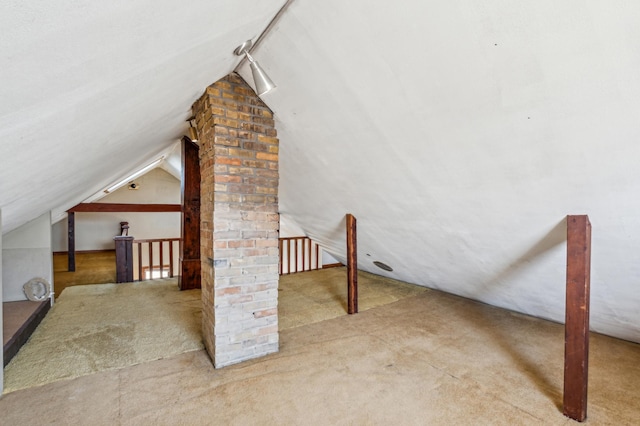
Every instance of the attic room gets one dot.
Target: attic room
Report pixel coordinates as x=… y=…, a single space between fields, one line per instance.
x=465 y=137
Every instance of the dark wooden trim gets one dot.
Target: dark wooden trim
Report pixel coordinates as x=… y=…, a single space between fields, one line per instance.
x=576 y=340
x=140 y=262
x=154 y=240
x=280 y=251
x=20 y=337
x=332 y=265
x=352 y=265
x=119 y=208
x=71 y=241
x=190 y=269
x=124 y=259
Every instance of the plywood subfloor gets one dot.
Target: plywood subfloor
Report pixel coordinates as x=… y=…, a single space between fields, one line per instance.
x=431 y=358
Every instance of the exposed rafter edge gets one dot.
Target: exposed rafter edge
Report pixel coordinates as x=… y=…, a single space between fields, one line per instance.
x=116 y=207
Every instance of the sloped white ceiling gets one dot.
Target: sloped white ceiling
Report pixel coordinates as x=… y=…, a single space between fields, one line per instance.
x=91 y=90
x=460 y=134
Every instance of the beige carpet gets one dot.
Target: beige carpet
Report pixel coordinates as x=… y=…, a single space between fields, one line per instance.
x=310 y=297
x=101 y=327
x=93 y=328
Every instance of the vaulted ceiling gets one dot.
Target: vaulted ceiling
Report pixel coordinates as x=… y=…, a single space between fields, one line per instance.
x=459 y=133
x=91 y=90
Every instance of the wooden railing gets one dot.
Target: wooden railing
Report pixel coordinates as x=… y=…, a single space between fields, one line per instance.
x=155 y=257
x=299 y=254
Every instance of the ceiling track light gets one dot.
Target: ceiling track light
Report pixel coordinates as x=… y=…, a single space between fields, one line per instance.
x=193 y=132
x=260 y=78
x=133 y=176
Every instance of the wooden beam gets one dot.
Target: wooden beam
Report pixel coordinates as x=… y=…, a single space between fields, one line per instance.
x=71 y=241
x=118 y=208
x=576 y=340
x=352 y=266
x=190 y=273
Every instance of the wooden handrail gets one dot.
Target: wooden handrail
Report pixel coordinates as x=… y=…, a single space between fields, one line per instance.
x=155 y=240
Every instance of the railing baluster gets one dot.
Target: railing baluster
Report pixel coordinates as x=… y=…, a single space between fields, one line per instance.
x=280 y=257
x=149 y=265
x=139 y=245
x=297 y=255
x=303 y=252
x=170 y=259
x=161 y=259
x=150 y=259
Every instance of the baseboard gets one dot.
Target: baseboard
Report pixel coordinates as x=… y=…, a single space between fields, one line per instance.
x=85 y=251
x=332 y=265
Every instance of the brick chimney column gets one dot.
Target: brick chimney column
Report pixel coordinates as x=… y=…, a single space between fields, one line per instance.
x=239 y=222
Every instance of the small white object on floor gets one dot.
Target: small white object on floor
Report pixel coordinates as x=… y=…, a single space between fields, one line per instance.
x=37 y=289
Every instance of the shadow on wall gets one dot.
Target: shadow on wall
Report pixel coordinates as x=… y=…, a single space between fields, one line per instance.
x=337 y=233
x=543 y=373
x=556 y=236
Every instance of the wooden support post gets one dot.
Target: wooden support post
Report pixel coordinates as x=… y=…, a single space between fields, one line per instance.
x=190 y=268
x=352 y=266
x=71 y=245
x=124 y=258
x=576 y=340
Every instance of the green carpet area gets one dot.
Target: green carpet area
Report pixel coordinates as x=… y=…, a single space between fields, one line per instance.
x=102 y=327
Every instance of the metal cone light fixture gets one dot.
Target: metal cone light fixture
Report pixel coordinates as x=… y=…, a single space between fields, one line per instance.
x=262 y=81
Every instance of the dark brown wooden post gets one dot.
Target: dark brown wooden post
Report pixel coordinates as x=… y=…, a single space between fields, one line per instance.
x=124 y=254
x=576 y=339
x=190 y=226
x=352 y=266
x=71 y=245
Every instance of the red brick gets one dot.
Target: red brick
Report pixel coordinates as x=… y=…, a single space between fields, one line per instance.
x=230 y=161
x=238 y=157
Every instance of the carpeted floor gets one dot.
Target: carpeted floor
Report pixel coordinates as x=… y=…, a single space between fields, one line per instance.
x=94 y=328
x=314 y=296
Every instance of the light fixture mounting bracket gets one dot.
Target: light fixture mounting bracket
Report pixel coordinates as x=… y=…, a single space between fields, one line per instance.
x=244 y=47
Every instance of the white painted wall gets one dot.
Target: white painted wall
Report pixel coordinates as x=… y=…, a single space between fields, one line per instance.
x=290 y=228
x=460 y=134
x=26 y=254
x=1 y=314
x=95 y=231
